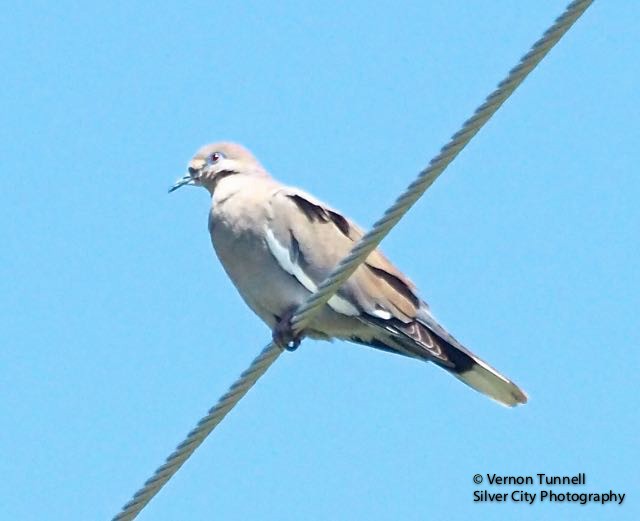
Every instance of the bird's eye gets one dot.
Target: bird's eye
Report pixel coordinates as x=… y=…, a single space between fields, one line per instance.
x=215 y=157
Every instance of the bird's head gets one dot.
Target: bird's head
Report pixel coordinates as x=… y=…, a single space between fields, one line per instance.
x=216 y=161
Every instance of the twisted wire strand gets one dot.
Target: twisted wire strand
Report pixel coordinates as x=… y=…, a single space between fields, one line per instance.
x=369 y=242
x=345 y=268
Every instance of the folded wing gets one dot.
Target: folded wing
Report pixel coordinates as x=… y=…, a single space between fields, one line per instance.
x=308 y=238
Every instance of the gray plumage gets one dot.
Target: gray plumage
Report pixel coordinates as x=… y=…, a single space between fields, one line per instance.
x=277 y=243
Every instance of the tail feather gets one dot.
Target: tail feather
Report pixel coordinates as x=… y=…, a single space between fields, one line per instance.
x=419 y=340
x=485 y=379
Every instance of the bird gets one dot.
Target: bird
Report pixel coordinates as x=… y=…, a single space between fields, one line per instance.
x=277 y=243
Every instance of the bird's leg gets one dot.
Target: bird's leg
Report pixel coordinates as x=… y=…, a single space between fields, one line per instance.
x=283 y=333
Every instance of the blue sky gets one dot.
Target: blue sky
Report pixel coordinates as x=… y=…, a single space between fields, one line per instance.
x=120 y=329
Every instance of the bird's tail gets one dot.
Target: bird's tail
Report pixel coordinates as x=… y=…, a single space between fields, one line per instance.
x=431 y=342
x=480 y=376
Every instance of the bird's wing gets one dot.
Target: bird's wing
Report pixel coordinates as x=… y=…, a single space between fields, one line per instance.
x=308 y=238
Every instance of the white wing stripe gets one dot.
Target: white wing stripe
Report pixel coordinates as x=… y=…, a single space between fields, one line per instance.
x=282 y=255
x=382 y=313
x=342 y=306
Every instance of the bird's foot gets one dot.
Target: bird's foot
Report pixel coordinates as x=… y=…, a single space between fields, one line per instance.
x=283 y=334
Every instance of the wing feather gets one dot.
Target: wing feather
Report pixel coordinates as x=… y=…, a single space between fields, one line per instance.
x=318 y=237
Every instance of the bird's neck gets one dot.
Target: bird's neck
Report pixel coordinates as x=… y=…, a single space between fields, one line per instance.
x=230 y=185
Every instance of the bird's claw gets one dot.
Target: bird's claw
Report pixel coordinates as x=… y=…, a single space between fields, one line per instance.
x=283 y=334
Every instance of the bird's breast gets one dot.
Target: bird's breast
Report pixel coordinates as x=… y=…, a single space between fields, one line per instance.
x=237 y=228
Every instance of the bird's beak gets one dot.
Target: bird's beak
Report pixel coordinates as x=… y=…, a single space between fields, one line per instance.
x=185 y=180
